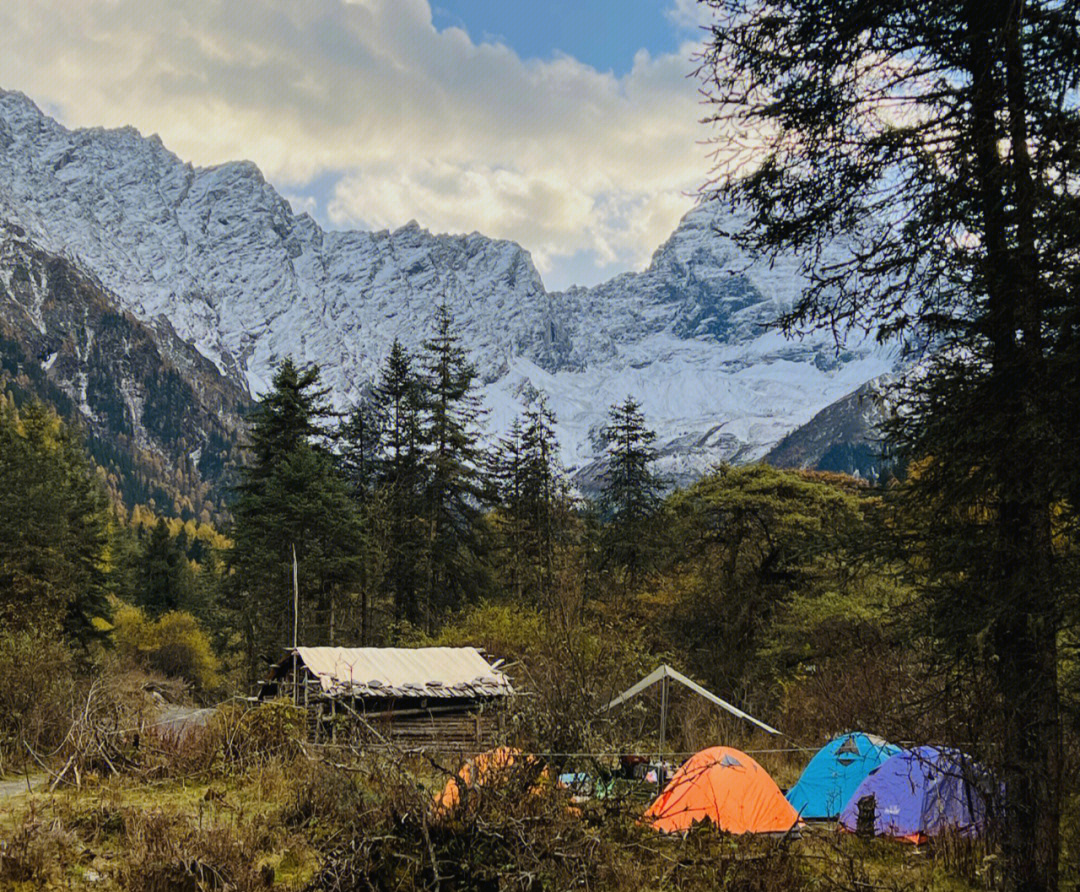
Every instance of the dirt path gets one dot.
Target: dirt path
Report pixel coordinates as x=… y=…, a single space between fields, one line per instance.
x=14 y=787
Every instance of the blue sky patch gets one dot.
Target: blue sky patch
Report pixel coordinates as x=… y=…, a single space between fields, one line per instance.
x=601 y=33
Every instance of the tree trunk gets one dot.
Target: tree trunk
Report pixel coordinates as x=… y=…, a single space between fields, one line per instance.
x=1024 y=619
x=364 y=616
x=1032 y=752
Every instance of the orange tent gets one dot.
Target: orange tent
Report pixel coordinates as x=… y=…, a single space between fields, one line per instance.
x=482 y=769
x=727 y=787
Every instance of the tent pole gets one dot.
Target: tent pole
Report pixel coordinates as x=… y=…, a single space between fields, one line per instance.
x=666 y=671
x=663 y=720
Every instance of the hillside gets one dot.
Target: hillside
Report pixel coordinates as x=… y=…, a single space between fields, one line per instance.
x=844 y=436
x=157 y=416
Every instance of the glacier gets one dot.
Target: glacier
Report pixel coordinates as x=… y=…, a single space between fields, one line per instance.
x=221 y=256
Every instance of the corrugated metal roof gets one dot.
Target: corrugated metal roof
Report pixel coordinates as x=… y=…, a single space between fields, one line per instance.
x=404 y=671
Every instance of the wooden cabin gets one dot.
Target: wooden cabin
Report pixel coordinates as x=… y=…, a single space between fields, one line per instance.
x=412 y=697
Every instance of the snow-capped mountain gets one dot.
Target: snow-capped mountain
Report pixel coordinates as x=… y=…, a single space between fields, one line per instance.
x=221 y=255
x=157 y=416
x=845 y=436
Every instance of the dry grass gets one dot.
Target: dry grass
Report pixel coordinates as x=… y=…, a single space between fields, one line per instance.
x=131 y=834
x=310 y=825
x=243 y=805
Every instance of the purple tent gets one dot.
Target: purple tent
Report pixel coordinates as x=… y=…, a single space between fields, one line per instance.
x=921 y=792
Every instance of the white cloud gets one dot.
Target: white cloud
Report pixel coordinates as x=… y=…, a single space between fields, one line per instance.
x=409 y=121
x=689 y=14
x=302 y=204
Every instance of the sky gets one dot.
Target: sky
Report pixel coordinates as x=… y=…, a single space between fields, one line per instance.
x=569 y=126
x=605 y=34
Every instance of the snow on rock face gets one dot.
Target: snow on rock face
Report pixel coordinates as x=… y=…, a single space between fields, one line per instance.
x=221 y=255
x=144 y=398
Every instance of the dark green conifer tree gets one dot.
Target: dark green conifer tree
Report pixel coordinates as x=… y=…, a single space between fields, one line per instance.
x=165 y=581
x=533 y=500
x=359 y=441
x=630 y=491
x=293 y=412
x=454 y=483
x=398 y=404
x=126 y=547
x=506 y=475
x=292 y=496
x=53 y=526
x=359 y=444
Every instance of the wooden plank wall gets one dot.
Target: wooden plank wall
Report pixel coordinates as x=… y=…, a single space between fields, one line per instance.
x=466 y=728
x=460 y=726
x=447 y=730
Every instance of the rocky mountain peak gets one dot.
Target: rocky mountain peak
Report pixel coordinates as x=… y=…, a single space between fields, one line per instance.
x=220 y=254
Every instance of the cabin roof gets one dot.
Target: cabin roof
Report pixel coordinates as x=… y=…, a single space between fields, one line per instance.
x=395 y=672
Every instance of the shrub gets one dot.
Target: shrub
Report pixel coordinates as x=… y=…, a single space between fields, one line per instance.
x=266 y=733
x=105 y=727
x=36 y=690
x=165 y=854
x=321 y=796
x=184 y=651
x=37 y=853
x=175 y=645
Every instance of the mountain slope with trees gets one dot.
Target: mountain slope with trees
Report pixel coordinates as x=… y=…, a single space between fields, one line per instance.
x=157 y=416
x=845 y=437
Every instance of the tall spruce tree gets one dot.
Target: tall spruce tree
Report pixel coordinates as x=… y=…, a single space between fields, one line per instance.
x=542 y=493
x=506 y=474
x=455 y=487
x=292 y=496
x=398 y=405
x=359 y=442
x=936 y=141
x=293 y=412
x=54 y=528
x=533 y=500
x=630 y=490
x=165 y=582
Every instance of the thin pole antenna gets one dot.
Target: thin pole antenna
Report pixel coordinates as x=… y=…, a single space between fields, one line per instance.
x=295 y=599
x=661 y=777
x=295 y=625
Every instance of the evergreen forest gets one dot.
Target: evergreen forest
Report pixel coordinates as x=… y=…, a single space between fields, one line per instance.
x=801 y=596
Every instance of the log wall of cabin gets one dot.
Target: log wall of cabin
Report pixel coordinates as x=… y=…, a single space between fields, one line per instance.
x=439 y=723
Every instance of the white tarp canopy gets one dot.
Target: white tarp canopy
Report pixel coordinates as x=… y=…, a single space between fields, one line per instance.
x=666 y=672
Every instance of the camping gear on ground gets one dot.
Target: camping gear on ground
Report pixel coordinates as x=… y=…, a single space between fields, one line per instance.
x=832 y=776
x=658 y=773
x=728 y=788
x=921 y=793
x=584 y=786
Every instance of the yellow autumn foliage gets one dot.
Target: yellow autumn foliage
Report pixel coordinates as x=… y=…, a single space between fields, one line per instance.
x=174 y=645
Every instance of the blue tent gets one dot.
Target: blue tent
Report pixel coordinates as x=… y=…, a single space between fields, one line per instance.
x=835 y=771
